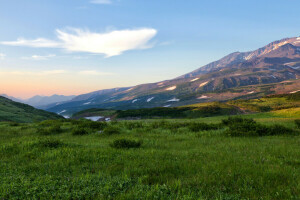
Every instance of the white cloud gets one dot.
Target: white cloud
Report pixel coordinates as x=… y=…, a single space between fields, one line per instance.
x=101 y=1
x=110 y=43
x=39 y=57
x=40 y=73
x=92 y=72
x=2 y=56
x=40 y=42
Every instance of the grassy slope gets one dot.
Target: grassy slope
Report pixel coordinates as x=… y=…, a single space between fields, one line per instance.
x=18 y=112
x=172 y=164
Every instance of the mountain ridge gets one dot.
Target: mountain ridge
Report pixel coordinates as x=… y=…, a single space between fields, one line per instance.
x=237 y=75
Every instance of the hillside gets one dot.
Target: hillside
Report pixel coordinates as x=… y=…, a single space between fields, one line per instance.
x=273 y=69
x=272 y=103
x=18 y=112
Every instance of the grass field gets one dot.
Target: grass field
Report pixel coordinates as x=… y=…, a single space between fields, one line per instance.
x=172 y=162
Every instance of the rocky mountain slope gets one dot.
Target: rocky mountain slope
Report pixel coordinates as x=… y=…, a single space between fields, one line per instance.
x=272 y=69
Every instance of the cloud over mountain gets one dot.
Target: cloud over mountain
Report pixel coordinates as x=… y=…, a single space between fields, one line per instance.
x=109 y=44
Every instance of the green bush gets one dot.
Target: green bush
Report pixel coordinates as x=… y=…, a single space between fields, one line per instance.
x=92 y=125
x=14 y=124
x=297 y=122
x=196 y=127
x=125 y=144
x=50 y=143
x=52 y=130
x=249 y=127
x=79 y=131
x=112 y=130
x=234 y=120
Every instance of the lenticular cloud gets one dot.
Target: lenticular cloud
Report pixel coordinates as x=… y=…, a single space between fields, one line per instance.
x=109 y=44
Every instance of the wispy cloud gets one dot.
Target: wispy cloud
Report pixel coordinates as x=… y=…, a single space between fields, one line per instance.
x=101 y=1
x=40 y=42
x=95 y=73
x=39 y=57
x=2 y=56
x=55 y=72
x=38 y=73
x=110 y=43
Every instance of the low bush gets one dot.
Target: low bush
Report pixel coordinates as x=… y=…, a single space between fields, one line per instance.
x=249 y=127
x=125 y=144
x=93 y=125
x=52 y=130
x=196 y=127
x=14 y=124
x=79 y=131
x=297 y=122
x=112 y=130
x=234 y=120
x=50 y=143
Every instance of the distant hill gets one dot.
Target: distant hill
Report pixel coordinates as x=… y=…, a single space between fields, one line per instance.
x=19 y=112
x=40 y=101
x=272 y=69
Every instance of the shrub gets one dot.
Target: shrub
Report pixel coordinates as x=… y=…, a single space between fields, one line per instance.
x=14 y=124
x=297 y=122
x=112 y=130
x=234 y=120
x=50 y=143
x=249 y=127
x=55 y=129
x=79 y=131
x=48 y=123
x=125 y=144
x=196 y=127
x=93 y=125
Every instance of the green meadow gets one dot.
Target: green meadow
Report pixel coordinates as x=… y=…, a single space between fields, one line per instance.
x=153 y=159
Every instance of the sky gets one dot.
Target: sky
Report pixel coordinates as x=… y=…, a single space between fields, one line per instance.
x=71 y=47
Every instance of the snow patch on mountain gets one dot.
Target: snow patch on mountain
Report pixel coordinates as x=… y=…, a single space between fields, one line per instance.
x=294 y=91
x=150 y=99
x=173 y=100
x=203 y=97
x=62 y=112
x=135 y=100
x=87 y=103
x=202 y=84
x=251 y=92
x=130 y=89
x=172 y=88
x=166 y=106
x=195 y=79
x=249 y=56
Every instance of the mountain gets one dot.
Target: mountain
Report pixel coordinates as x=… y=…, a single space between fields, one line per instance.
x=272 y=69
x=19 y=112
x=40 y=101
x=11 y=98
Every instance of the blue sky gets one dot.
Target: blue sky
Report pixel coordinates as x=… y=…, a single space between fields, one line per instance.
x=78 y=46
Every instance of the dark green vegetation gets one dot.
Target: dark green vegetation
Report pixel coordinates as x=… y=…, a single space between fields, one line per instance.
x=206 y=110
x=248 y=127
x=125 y=144
x=152 y=159
x=18 y=112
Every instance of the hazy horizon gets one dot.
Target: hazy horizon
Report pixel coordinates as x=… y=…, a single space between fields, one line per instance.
x=75 y=47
